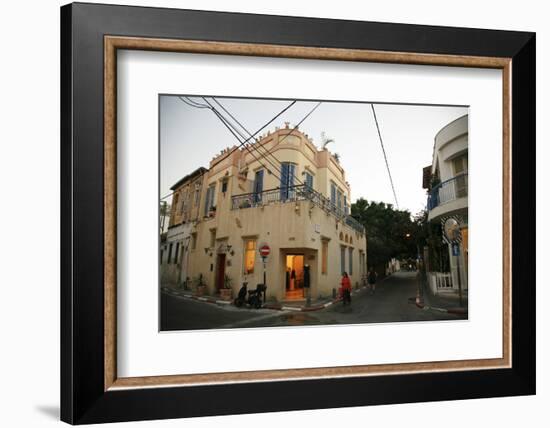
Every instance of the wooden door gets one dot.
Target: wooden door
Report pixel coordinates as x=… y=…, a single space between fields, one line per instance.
x=220 y=271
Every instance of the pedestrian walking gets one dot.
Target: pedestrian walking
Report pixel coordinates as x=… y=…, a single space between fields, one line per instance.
x=371 y=278
x=346 y=288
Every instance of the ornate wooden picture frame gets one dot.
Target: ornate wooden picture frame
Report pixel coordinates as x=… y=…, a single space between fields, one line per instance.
x=91 y=390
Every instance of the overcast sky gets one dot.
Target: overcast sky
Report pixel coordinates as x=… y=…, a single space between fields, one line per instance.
x=190 y=137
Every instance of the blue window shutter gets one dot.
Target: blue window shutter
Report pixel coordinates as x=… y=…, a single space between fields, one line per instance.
x=258 y=185
x=309 y=180
x=291 y=176
x=333 y=194
x=284 y=180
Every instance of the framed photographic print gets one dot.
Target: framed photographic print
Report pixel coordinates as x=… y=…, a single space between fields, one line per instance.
x=267 y=213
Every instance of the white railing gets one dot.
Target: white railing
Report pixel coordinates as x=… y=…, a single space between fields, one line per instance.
x=449 y=190
x=440 y=281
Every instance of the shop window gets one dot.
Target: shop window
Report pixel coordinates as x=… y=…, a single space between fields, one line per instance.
x=249 y=256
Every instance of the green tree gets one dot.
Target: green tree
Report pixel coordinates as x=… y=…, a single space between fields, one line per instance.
x=429 y=235
x=391 y=233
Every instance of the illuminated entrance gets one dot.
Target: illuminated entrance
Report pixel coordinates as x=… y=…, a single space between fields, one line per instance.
x=294 y=277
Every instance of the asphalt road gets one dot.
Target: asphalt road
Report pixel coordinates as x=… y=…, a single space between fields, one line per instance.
x=392 y=302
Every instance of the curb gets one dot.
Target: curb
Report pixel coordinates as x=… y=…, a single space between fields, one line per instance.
x=273 y=306
x=206 y=299
x=455 y=311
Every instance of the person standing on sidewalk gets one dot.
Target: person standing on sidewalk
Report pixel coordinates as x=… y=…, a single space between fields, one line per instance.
x=371 y=278
x=346 y=288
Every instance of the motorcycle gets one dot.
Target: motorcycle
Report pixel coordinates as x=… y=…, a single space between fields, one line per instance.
x=241 y=296
x=252 y=298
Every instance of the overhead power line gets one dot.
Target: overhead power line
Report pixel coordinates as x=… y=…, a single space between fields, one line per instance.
x=242 y=143
x=266 y=152
x=234 y=131
x=385 y=156
x=254 y=134
x=194 y=104
x=256 y=146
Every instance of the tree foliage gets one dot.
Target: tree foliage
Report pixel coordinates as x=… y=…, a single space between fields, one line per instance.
x=391 y=233
x=429 y=235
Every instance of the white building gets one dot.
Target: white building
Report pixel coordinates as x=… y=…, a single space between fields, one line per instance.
x=447 y=185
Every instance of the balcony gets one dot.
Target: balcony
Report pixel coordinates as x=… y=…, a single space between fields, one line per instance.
x=293 y=194
x=448 y=191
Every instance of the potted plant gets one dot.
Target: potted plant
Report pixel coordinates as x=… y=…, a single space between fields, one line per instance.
x=245 y=204
x=226 y=292
x=201 y=285
x=212 y=211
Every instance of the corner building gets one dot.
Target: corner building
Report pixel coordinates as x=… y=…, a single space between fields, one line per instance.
x=296 y=200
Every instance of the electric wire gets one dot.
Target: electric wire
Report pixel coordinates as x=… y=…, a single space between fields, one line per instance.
x=194 y=104
x=257 y=146
x=385 y=156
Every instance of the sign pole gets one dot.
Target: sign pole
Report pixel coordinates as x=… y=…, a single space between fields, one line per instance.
x=265 y=284
x=264 y=252
x=453 y=236
x=457 y=253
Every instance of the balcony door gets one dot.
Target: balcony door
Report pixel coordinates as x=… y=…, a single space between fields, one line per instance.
x=220 y=271
x=288 y=174
x=258 y=185
x=460 y=167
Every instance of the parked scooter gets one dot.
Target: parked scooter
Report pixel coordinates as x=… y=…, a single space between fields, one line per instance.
x=255 y=297
x=241 y=296
x=252 y=298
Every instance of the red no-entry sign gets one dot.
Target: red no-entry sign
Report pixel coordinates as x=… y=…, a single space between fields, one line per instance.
x=265 y=250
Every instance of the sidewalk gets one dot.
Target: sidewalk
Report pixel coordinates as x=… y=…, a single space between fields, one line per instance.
x=297 y=306
x=443 y=302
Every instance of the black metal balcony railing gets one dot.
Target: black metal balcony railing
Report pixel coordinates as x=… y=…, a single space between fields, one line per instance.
x=449 y=190
x=292 y=194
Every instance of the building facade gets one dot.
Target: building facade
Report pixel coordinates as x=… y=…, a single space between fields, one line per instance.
x=446 y=181
x=174 y=254
x=283 y=192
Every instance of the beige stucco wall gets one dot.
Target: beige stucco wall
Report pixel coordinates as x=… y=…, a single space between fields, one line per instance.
x=287 y=227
